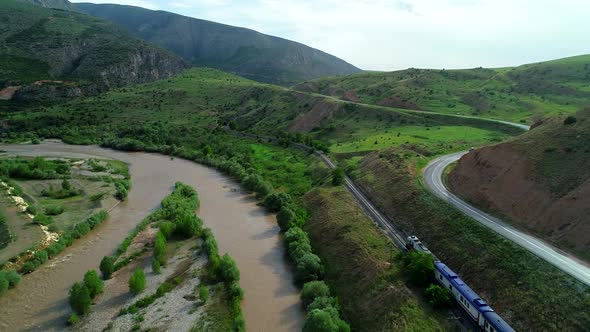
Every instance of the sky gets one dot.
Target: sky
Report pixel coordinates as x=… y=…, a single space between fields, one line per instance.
x=390 y=35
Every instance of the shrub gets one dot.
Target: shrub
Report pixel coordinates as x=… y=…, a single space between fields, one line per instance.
x=570 y=120
x=228 y=270
x=30 y=266
x=42 y=219
x=309 y=267
x=3 y=284
x=326 y=320
x=54 y=210
x=419 y=267
x=438 y=296
x=31 y=209
x=80 y=298
x=156 y=267
x=12 y=276
x=93 y=283
x=285 y=218
x=323 y=302
x=313 y=290
x=337 y=176
x=41 y=256
x=235 y=291
x=160 y=248
x=107 y=267
x=275 y=201
x=167 y=228
x=203 y=293
x=73 y=319
x=137 y=281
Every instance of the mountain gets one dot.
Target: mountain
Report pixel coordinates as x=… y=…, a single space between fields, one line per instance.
x=539 y=181
x=55 y=53
x=56 y=4
x=520 y=94
x=237 y=50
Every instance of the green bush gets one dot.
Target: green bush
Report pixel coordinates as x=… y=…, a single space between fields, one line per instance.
x=73 y=319
x=275 y=201
x=438 y=296
x=160 y=248
x=313 y=290
x=326 y=320
x=137 y=281
x=203 y=293
x=570 y=120
x=323 y=302
x=80 y=299
x=167 y=228
x=285 y=218
x=229 y=272
x=42 y=219
x=12 y=276
x=31 y=209
x=54 y=210
x=3 y=284
x=107 y=267
x=93 y=283
x=41 y=256
x=337 y=176
x=419 y=267
x=156 y=267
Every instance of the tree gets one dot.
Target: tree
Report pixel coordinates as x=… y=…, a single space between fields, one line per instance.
x=570 y=120
x=420 y=267
x=337 y=176
x=438 y=296
x=275 y=201
x=326 y=320
x=323 y=302
x=66 y=185
x=160 y=248
x=93 y=283
x=107 y=267
x=309 y=267
x=12 y=276
x=80 y=298
x=312 y=290
x=228 y=270
x=137 y=281
x=285 y=218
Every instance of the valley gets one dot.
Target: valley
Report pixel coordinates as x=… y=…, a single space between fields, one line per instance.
x=164 y=172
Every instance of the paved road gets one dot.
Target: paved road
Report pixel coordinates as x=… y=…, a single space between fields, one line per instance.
x=433 y=176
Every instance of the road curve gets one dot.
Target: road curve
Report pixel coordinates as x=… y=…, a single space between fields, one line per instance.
x=433 y=177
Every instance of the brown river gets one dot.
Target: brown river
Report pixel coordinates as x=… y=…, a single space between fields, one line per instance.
x=242 y=229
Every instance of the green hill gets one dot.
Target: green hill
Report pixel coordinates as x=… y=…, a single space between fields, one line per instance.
x=237 y=50
x=89 y=54
x=57 y=4
x=524 y=93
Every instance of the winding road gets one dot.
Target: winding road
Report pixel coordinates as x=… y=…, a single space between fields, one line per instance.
x=433 y=177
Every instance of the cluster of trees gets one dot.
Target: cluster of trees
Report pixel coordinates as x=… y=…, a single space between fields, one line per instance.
x=82 y=293
x=419 y=268
x=66 y=191
x=286 y=139
x=8 y=279
x=224 y=269
x=323 y=312
x=66 y=239
x=35 y=169
x=122 y=187
x=308 y=266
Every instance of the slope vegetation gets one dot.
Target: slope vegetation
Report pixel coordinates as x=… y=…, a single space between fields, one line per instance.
x=540 y=181
x=238 y=50
x=69 y=54
x=519 y=94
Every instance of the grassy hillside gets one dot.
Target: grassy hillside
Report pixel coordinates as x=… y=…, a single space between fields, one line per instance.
x=57 y=4
x=539 y=182
x=238 y=50
x=519 y=94
x=38 y=43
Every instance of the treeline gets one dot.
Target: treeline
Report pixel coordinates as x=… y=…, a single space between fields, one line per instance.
x=5 y=237
x=33 y=169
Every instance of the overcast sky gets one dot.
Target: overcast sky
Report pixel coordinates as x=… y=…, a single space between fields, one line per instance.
x=389 y=35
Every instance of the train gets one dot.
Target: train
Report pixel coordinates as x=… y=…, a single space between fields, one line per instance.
x=479 y=311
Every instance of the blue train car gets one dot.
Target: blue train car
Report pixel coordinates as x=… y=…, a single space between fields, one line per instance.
x=487 y=319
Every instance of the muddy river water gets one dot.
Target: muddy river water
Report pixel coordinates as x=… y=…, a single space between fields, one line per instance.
x=242 y=229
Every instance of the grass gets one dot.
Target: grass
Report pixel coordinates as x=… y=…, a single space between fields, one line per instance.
x=518 y=285
x=519 y=94
x=363 y=267
x=443 y=138
x=217 y=316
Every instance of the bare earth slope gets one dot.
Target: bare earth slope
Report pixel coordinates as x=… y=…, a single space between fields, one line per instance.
x=540 y=181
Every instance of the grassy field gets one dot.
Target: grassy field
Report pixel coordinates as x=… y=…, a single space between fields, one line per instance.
x=363 y=268
x=518 y=94
x=520 y=286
